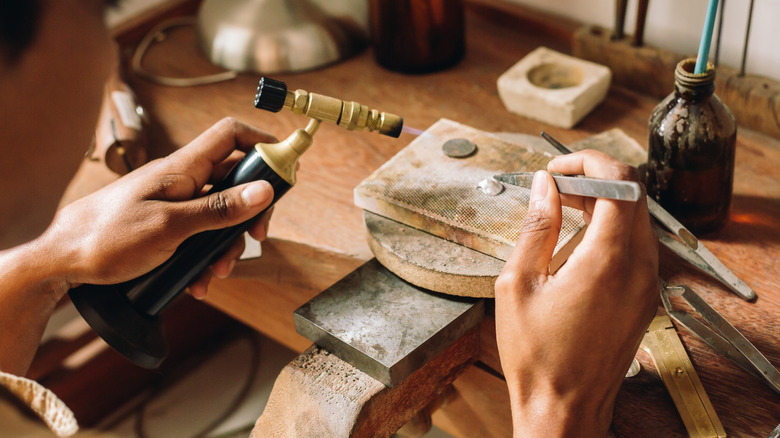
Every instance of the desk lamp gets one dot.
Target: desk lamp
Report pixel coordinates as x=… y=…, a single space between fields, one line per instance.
x=272 y=36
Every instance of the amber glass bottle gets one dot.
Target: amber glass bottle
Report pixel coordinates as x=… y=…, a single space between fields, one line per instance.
x=417 y=36
x=692 y=140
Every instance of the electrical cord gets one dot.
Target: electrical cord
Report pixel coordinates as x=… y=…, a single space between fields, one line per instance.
x=153 y=36
x=254 y=367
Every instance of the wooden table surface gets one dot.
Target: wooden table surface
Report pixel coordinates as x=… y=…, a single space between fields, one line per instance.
x=317 y=234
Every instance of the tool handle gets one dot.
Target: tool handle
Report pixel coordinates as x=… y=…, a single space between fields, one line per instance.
x=152 y=292
x=641 y=16
x=155 y=290
x=620 y=18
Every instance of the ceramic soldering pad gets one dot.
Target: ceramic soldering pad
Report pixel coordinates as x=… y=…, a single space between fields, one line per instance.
x=553 y=88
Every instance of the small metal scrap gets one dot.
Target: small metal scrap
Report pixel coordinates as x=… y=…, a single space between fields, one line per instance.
x=459 y=148
x=490 y=186
x=634 y=369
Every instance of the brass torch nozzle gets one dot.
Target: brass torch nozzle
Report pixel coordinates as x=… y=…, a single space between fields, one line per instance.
x=273 y=96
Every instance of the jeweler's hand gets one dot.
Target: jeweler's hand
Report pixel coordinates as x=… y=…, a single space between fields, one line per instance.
x=136 y=223
x=566 y=340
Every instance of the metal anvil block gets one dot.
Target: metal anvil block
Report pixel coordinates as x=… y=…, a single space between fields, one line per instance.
x=383 y=325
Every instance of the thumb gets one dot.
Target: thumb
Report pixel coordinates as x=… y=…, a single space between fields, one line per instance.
x=225 y=208
x=539 y=233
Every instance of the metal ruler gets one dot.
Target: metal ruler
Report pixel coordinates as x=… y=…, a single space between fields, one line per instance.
x=676 y=370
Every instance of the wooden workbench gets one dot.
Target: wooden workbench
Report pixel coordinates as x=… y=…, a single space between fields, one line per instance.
x=317 y=234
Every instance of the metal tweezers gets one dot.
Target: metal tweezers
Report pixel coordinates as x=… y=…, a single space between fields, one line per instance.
x=720 y=334
x=694 y=252
x=688 y=246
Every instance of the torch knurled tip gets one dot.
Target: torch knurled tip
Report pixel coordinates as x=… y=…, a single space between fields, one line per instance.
x=270 y=94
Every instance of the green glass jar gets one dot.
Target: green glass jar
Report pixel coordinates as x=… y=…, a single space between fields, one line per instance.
x=692 y=141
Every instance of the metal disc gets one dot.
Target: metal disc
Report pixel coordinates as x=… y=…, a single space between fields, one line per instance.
x=459 y=148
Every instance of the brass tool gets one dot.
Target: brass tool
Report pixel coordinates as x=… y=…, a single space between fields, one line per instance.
x=282 y=157
x=720 y=335
x=676 y=370
x=688 y=246
x=126 y=315
x=349 y=115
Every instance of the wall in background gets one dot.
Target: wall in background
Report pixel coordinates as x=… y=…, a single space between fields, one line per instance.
x=129 y=8
x=353 y=8
x=676 y=25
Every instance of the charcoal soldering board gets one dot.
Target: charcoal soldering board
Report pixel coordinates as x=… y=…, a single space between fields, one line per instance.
x=423 y=188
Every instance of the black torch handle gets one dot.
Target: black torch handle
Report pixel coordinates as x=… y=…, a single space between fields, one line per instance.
x=153 y=291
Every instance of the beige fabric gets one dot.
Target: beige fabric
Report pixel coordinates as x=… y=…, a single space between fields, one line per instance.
x=43 y=402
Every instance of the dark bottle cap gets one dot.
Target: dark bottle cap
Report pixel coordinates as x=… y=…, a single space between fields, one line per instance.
x=270 y=94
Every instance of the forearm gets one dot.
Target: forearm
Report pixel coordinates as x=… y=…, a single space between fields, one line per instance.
x=29 y=292
x=542 y=413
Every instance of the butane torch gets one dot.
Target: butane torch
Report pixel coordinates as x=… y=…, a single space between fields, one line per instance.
x=126 y=315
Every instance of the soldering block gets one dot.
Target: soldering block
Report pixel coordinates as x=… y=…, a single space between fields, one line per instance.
x=553 y=88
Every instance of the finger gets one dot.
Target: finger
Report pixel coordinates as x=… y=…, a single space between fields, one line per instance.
x=611 y=221
x=214 y=145
x=534 y=249
x=259 y=230
x=224 y=265
x=644 y=240
x=219 y=141
x=221 y=209
x=587 y=217
x=584 y=203
x=199 y=287
x=221 y=169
